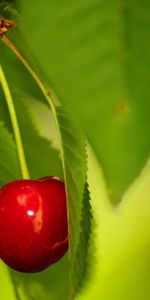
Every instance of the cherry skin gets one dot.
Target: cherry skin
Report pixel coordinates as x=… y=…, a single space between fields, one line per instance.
x=33 y=223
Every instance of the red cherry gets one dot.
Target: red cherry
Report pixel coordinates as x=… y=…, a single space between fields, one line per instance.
x=33 y=223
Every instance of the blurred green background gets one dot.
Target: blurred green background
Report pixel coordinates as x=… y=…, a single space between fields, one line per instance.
x=96 y=55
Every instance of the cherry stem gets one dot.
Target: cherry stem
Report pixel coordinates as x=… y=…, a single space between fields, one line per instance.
x=15 y=125
x=44 y=89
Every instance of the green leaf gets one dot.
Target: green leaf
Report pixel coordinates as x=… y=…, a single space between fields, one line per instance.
x=73 y=144
x=41 y=116
x=119 y=250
